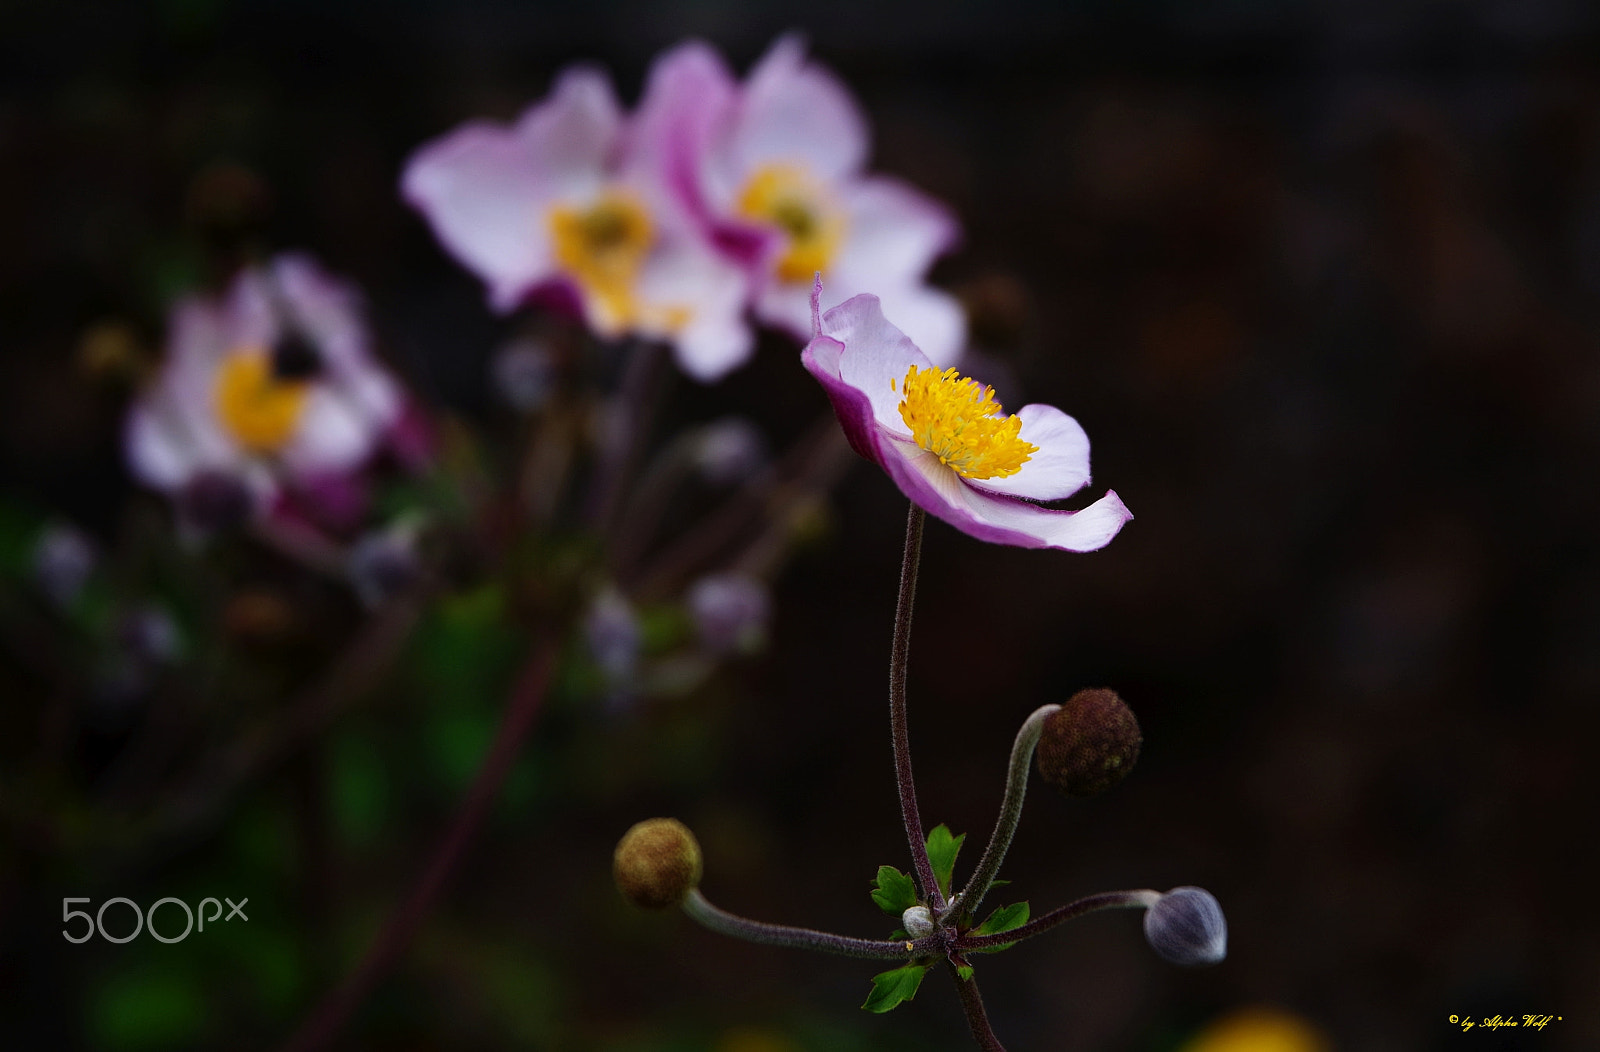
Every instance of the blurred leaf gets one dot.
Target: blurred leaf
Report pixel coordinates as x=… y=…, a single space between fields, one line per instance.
x=459 y=741
x=147 y=1009
x=893 y=891
x=892 y=987
x=942 y=851
x=359 y=789
x=964 y=972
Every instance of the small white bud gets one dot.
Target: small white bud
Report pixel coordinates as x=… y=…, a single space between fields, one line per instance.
x=1186 y=927
x=917 y=921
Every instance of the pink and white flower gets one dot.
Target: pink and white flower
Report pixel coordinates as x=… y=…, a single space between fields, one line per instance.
x=273 y=383
x=776 y=167
x=559 y=203
x=946 y=443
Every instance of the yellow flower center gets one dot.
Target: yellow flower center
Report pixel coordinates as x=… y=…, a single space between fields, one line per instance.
x=789 y=199
x=602 y=248
x=956 y=418
x=259 y=410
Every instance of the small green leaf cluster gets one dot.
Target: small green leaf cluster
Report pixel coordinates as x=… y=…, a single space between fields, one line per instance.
x=895 y=892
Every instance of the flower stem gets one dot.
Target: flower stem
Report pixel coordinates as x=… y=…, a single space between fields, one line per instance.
x=1010 y=809
x=977 y=1018
x=1110 y=900
x=526 y=698
x=899 y=654
x=725 y=923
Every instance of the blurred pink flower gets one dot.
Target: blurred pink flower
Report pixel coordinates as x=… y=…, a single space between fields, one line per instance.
x=273 y=383
x=775 y=166
x=945 y=441
x=559 y=203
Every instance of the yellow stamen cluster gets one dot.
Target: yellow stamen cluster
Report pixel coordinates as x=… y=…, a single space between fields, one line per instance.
x=602 y=247
x=957 y=419
x=259 y=410
x=789 y=199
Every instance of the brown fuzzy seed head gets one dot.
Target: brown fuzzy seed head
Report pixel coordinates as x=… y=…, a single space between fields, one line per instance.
x=1090 y=744
x=657 y=863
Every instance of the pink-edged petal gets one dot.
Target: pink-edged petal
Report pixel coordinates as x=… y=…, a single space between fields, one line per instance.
x=327 y=311
x=821 y=358
x=476 y=189
x=877 y=356
x=796 y=112
x=689 y=97
x=1000 y=520
x=485 y=188
x=575 y=135
x=1058 y=468
x=931 y=318
x=895 y=231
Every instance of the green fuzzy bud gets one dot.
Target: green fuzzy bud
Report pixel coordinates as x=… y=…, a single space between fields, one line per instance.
x=657 y=863
x=1089 y=744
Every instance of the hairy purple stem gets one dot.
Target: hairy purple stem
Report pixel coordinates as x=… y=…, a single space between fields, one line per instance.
x=977 y=1018
x=899 y=655
x=1110 y=900
x=725 y=923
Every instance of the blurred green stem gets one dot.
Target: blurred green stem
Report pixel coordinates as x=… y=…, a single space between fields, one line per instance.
x=526 y=700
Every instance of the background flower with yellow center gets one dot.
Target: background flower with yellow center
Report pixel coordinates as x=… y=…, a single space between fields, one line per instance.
x=777 y=165
x=270 y=384
x=606 y=229
x=258 y=409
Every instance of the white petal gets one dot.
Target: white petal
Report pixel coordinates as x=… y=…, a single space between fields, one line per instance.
x=795 y=112
x=1060 y=466
x=487 y=189
x=895 y=231
x=333 y=435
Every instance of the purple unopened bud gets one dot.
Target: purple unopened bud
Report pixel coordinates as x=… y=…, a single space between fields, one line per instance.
x=63 y=558
x=730 y=450
x=524 y=373
x=1186 y=927
x=612 y=631
x=730 y=612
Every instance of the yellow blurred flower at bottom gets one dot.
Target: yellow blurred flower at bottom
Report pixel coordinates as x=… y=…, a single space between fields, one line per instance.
x=1259 y=1030
x=750 y=1039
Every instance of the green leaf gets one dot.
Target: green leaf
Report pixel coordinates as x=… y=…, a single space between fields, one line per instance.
x=893 y=891
x=891 y=987
x=942 y=851
x=965 y=972
x=1003 y=919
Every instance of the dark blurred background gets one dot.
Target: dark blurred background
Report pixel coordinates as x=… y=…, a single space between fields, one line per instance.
x=1318 y=278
